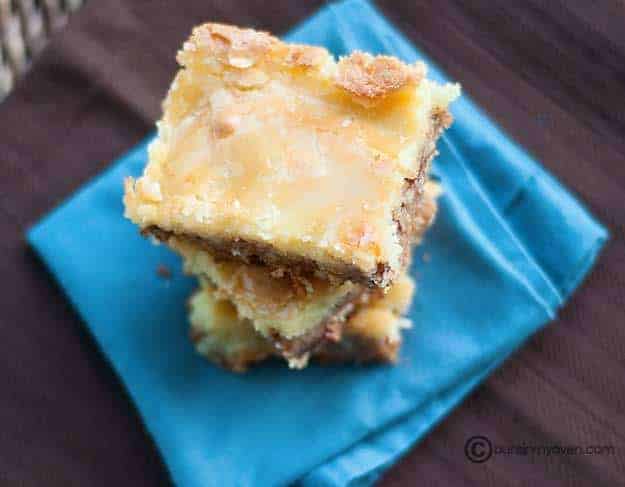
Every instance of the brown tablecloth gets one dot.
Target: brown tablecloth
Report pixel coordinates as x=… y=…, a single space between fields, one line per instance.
x=551 y=72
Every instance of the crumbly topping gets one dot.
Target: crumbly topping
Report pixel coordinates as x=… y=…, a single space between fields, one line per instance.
x=239 y=48
x=306 y=56
x=360 y=74
x=374 y=77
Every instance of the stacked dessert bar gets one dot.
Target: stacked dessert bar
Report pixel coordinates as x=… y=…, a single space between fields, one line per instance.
x=293 y=186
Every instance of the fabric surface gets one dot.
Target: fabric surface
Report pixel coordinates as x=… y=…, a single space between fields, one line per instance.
x=509 y=246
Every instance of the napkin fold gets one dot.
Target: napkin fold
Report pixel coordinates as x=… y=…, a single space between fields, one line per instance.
x=509 y=246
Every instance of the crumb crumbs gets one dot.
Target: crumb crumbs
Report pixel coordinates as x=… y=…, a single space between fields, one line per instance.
x=163 y=271
x=426 y=257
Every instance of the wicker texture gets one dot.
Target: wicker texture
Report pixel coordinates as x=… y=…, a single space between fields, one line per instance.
x=25 y=26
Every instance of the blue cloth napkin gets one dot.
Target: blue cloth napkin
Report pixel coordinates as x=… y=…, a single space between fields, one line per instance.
x=508 y=248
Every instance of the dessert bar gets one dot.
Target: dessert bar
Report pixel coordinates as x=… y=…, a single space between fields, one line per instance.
x=372 y=331
x=279 y=155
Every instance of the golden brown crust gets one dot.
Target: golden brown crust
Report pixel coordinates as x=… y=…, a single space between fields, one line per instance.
x=243 y=48
x=258 y=253
x=374 y=77
x=368 y=78
x=305 y=56
x=234 y=46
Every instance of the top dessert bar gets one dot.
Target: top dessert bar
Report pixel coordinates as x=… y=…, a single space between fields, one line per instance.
x=276 y=154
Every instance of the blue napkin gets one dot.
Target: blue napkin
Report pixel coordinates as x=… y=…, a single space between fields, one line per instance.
x=508 y=248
